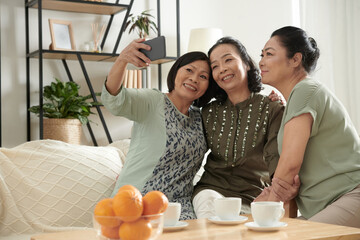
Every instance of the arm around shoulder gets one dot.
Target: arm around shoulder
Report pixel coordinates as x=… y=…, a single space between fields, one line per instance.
x=271 y=154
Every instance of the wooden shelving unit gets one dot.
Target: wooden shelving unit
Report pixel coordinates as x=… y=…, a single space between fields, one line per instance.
x=74 y=6
x=87 y=56
x=72 y=55
x=83 y=7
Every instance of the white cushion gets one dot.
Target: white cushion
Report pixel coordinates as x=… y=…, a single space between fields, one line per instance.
x=49 y=185
x=123 y=147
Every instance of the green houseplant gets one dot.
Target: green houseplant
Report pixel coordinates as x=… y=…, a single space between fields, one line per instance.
x=64 y=111
x=62 y=100
x=142 y=23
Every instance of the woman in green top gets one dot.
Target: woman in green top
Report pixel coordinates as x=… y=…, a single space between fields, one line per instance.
x=241 y=127
x=317 y=139
x=167 y=141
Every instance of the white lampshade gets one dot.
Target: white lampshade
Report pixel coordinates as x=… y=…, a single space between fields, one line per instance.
x=201 y=39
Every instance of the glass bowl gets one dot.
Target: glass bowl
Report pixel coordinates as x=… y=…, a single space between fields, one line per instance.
x=149 y=227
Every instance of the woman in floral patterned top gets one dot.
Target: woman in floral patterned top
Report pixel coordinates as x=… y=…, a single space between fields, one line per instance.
x=168 y=144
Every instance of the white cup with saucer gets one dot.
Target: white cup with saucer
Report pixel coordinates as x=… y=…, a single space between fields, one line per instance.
x=267 y=214
x=172 y=214
x=227 y=208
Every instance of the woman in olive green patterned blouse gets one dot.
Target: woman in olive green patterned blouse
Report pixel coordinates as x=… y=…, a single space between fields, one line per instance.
x=241 y=129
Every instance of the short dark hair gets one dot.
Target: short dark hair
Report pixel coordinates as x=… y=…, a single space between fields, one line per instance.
x=295 y=40
x=253 y=74
x=185 y=59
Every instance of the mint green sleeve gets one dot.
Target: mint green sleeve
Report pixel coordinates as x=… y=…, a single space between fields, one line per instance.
x=134 y=104
x=305 y=99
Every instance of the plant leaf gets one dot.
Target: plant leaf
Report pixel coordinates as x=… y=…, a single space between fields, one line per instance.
x=141 y=23
x=62 y=100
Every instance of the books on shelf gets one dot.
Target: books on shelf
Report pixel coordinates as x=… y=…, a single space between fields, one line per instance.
x=139 y=80
x=130 y=79
x=125 y=82
x=136 y=78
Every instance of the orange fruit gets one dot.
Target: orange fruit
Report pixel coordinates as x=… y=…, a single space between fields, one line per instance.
x=104 y=213
x=128 y=187
x=138 y=230
x=110 y=232
x=155 y=202
x=128 y=205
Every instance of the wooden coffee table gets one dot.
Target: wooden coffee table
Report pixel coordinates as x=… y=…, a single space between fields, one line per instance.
x=202 y=229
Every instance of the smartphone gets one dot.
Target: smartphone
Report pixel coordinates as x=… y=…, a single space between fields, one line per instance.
x=158 y=48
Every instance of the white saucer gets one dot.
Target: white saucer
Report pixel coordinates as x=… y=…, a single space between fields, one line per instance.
x=255 y=227
x=237 y=220
x=179 y=225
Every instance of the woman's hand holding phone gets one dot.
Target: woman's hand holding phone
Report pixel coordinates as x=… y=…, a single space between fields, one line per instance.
x=132 y=54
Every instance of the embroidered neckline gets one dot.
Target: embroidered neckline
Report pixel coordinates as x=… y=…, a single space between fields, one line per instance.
x=242 y=104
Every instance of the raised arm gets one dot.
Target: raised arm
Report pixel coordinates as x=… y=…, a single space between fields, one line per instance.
x=296 y=136
x=130 y=54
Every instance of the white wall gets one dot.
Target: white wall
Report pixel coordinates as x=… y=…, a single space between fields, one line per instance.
x=335 y=26
x=251 y=21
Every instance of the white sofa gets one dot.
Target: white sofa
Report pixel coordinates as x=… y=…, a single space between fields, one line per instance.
x=49 y=185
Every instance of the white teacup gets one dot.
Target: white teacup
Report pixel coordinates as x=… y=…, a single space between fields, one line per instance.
x=267 y=213
x=172 y=214
x=227 y=208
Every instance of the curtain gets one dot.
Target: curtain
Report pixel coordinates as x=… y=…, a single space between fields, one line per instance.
x=335 y=25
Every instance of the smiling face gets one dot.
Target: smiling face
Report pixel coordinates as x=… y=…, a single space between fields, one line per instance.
x=228 y=69
x=192 y=80
x=274 y=64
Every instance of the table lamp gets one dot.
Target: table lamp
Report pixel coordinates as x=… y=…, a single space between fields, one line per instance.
x=201 y=39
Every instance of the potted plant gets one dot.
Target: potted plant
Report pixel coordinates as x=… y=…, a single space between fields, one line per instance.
x=142 y=23
x=64 y=111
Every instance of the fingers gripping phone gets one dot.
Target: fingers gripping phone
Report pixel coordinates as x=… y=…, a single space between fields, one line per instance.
x=158 y=48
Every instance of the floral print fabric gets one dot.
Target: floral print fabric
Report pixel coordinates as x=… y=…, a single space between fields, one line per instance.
x=185 y=150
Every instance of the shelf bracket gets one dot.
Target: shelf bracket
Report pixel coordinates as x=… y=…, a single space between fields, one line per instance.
x=88 y=124
x=94 y=97
x=122 y=27
x=177 y=35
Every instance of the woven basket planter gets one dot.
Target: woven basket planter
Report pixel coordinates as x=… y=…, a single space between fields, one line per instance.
x=66 y=130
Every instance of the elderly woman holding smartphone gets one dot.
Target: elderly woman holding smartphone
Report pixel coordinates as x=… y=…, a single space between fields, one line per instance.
x=168 y=144
x=317 y=139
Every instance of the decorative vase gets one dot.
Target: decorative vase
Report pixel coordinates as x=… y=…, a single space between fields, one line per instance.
x=63 y=129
